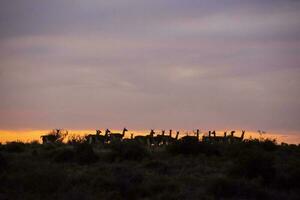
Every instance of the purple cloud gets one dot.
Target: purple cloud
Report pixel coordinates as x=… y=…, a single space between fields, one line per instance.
x=181 y=64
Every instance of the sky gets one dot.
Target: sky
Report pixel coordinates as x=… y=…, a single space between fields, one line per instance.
x=143 y=64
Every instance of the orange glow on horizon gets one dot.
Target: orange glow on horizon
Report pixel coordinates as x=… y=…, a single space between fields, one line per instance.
x=34 y=135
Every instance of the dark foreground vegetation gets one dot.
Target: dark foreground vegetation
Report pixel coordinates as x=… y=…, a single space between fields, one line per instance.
x=185 y=169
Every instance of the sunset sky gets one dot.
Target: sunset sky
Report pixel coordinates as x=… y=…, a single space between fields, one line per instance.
x=144 y=64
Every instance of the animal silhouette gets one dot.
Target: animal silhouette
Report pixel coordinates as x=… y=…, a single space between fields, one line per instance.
x=97 y=138
x=239 y=139
x=210 y=138
x=206 y=138
x=161 y=139
x=128 y=139
x=55 y=136
x=218 y=139
x=192 y=138
x=116 y=136
x=146 y=139
x=171 y=139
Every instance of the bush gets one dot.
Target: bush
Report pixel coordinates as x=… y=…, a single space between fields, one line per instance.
x=157 y=166
x=64 y=155
x=269 y=145
x=44 y=180
x=186 y=147
x=15 y=147
x=85 y=154
x=3 y=162
x=128 y=182
x=129 y=150
x=225 y=187
x=75 y=139
x=81 y=153
x=191 y=147
x=120 y=182
x=254 y=163
x=288 y=174
x=290 y=148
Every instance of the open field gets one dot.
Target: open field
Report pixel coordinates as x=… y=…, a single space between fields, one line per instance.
x=252 y=169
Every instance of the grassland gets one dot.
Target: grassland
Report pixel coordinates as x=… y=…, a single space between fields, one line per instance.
x=253 y=169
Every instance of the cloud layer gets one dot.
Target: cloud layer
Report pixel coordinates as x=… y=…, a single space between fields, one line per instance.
x=150 y=64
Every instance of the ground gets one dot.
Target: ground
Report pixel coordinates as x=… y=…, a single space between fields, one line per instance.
x=184 y=170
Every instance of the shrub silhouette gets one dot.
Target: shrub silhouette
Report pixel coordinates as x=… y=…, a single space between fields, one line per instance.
x=225 y=187
x=157 y=166
x=241 y=170
x=288 y=175
x=42 y=181
x=121 y=182
x=64 y=155
x=129 y=150
x=15 y=147
x=129 y=182
x=269 y=145
x=84 y=154
x=75 y=139
x=264 y=144
x=192 y=147
x=254 y=163
x=3 y=162
x=187 y=147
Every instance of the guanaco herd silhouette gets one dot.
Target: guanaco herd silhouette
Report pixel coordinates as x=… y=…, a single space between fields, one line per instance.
x=152 y=139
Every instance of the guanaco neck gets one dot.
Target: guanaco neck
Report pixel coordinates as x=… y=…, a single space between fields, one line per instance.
x=123 y=133
x=243 y=133
x=177 y=134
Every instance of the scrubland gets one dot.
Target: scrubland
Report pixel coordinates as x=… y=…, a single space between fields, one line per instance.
x=252 y=169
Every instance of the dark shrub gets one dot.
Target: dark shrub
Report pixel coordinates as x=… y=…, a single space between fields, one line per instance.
x=43 y=180
x=128 y=182
x=192 y=147
x=64 y=155
x=163 y=187
x=3 y=162
x=288 y=174
x=269 y=145
x=121 y=182
x=35 y=152
x=15 y=147
x=186 y=147
x=264 y=144
x=78 y=193
x=254 y=163
x=289 y=148
x=225 y=187
x=49 y=147
x=157 y=166
x=84 y=154
x=129 y=150
x=75 y=139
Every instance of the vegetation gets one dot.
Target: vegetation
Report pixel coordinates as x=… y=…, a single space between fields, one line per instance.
x=184 y=169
